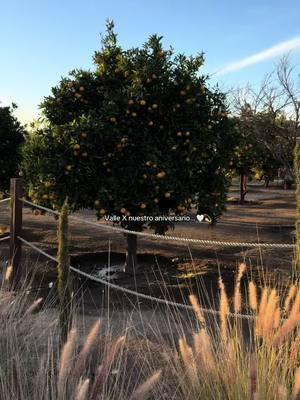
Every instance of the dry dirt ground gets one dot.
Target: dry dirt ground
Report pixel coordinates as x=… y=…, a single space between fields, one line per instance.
x=167 y=269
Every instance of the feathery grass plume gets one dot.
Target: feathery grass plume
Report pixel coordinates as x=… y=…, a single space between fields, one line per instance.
x=203 y=350
x=261 y=311
x=296 y=389
x=197 y=309
x=64 y=290
x=8 y=272
x=252 y=295
x=87 y=348
x=188 y=359
x=295 y=309
x=65 y=363
x=252 y=377
x=290 y=296
x=269 y=315
x=104 y=368
x=224 y=309
x=277 y=318
x=83 y=390
x=142 y=392
x=237 y=289
x=288 y=326
x=294 y=352
x=35 y=307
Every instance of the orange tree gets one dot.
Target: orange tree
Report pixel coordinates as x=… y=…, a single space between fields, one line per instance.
x=11 y=137
x=143 y=134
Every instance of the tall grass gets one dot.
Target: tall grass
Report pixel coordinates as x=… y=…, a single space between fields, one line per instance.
x=224 y=358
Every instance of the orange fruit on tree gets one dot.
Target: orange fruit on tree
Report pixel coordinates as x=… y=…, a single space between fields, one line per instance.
x=161 y=174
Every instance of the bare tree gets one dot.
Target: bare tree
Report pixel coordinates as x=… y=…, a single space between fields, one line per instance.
x=275 y=107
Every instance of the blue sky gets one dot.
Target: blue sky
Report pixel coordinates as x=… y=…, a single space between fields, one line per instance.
x=43 y=40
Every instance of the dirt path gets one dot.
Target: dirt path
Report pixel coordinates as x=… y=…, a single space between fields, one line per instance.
x=270 y=219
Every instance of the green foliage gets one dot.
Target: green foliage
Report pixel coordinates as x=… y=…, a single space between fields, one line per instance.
x=246 y=155
x=252 y=152
x=142 y=134
x=11 y=137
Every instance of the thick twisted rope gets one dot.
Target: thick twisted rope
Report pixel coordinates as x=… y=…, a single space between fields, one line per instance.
x=132 y=292
x=201 y=242
x=4 y=200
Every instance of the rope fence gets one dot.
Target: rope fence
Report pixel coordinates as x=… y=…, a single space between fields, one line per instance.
x=5 y=200
x=15 y=234
x=200 y=242
x=132 y=292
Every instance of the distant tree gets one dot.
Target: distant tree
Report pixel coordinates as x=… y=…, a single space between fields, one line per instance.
x=246 y=158
x=141 y=135
x=266 y=168
x=275 y=119
x=11 y=137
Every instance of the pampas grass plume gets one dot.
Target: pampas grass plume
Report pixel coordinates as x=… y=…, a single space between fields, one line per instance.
x=82 y=390
x=143 y=390
x=66 y=360
x=252 y=296
x=197 y=309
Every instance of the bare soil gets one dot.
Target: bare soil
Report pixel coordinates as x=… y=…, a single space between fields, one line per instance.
x=167 y=269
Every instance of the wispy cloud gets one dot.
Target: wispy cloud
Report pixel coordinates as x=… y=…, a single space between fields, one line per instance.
x=262 y=56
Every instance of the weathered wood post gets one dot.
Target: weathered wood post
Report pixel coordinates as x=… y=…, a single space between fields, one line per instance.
x=14 y=269
x=64 y=284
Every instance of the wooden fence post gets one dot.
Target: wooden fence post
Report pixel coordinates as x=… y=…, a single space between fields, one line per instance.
x=63 y=266
x=15 y=248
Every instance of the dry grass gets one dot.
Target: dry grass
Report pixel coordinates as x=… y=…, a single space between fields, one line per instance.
x=226 y=358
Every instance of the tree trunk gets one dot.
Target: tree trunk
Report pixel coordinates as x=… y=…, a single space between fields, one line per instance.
x=243 y=189
x=267 y=182
x=131 y=257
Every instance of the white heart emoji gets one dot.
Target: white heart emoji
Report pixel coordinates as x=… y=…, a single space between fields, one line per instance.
x=200 y=218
